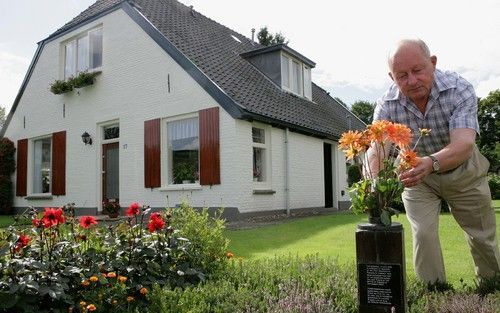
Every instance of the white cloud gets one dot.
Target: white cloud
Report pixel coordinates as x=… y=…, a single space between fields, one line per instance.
x=13 y=69
x=484 y=87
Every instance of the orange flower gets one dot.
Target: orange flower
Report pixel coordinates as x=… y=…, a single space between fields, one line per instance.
x=130 y=299
x=111 y=275
x=93 y=279
x=85 y=283
x=143 y=291
x=229 y=255
x=122 y=279
x=91 y=307
x=378 y=130
x=399 y=134
x=408 y=159
x=349 y=139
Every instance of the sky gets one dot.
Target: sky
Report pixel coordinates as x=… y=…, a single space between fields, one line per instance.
x=348 y=40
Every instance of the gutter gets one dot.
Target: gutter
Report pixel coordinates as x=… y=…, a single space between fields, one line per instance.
x=287 y=172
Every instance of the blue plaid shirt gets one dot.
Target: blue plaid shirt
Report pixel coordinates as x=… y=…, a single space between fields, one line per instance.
x=452 y=104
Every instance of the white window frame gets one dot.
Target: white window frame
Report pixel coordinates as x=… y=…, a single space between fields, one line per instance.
x=267 y=172
x=31 y=167
x=82 y=37
x=166 y=163
x=307 y=82
x=300 y=85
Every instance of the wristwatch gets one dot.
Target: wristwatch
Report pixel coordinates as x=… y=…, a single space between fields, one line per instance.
x=435 y=164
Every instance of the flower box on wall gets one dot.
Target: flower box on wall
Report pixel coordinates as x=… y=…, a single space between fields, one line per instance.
x=81 y=80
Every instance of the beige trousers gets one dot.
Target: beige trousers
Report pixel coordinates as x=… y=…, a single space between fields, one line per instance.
x=468 y=195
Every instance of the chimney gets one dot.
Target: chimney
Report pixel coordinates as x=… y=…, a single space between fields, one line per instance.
x=193 y=13
x=253 y=34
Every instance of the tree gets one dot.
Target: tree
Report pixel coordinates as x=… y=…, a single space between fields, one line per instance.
x=488 y=115
x=266 y=38
x=363 y=110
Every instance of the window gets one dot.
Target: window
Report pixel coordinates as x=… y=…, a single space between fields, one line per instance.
x=83 y=53
x=183 y=151
x=285 y=72
x=296 y=77
x=161 y=158
x=42 y=150
x=111 y=132
x=260 y=154
x=307 y=83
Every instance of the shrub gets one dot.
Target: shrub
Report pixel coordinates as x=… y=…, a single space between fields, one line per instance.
x=265 y=286
x=61 y=86
x=7 y=162
x=208 y=244
x=83 y=79
x=353 y=174
x=494 y=183
x=7 y=167
x=6 y=195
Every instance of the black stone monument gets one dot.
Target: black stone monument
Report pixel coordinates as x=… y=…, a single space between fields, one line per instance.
x=380 y=259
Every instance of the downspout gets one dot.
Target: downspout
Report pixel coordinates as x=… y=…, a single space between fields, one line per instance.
x=287 y=173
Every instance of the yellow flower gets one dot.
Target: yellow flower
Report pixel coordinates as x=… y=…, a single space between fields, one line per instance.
x=93 y=279
x=122 y=279
x=424 y=131
x=91 y=307
x=83 y=303
x=143 y=291
x=130 y=299
x=114 y=302
x=111 y=275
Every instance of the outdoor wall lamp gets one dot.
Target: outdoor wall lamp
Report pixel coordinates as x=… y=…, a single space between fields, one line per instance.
x=87 y=140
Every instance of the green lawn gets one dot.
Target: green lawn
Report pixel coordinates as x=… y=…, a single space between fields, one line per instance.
x=333 y=236
x=6 y=220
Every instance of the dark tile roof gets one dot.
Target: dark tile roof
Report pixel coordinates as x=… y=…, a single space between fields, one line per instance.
x=212 y=48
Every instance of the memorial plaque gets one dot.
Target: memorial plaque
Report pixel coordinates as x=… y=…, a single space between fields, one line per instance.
x=381 y=268
x=380 y=284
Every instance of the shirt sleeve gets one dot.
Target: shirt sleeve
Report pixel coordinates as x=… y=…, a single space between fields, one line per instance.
x=465 y=112
x=381 y=111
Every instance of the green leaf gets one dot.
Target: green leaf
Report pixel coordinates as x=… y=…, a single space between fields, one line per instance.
x=386 y=218
x=7 y=300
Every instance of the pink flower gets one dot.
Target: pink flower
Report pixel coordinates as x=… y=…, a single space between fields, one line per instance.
x=87 y=221
x=133 y=209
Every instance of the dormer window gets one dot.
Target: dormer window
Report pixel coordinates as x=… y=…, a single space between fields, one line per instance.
x=83 y=53
x=295 y=76
x=284 y=66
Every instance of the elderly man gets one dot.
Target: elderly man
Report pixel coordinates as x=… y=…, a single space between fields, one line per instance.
x=450 y=166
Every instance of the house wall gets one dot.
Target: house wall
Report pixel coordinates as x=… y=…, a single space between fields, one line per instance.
x=133 y=88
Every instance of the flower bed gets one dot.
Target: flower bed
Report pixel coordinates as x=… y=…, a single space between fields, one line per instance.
x=66 y=263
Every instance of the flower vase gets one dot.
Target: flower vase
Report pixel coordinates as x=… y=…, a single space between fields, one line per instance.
x=374 y=217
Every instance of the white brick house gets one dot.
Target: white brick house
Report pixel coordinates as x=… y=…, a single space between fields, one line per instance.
x=182 y=108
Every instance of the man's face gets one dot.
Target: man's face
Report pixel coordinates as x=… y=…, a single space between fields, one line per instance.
x=413 y=73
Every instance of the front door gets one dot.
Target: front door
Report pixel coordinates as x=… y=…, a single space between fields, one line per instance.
x=328 y=183
x=110 y=173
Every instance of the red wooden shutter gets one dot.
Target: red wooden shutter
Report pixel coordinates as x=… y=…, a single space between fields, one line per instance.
x=59 y=163
x=209 y=147
x=152 y=169
x=22 y=167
